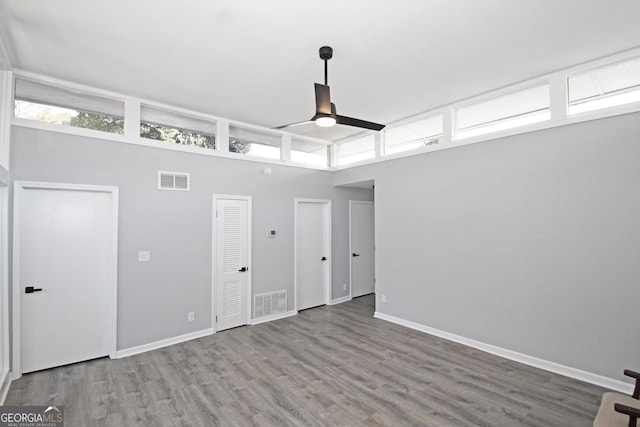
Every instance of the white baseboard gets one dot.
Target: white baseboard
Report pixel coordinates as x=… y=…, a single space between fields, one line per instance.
x=273 y=317
x=163 y=343
x=567 y=371
x=340 y=300
x=191 y=336
x=5 y=383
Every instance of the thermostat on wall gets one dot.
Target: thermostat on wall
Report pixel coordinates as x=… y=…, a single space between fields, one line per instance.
x=272 y=233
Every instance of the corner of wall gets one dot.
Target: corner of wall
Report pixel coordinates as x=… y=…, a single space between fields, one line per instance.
x=5 y=63
x=546 y=365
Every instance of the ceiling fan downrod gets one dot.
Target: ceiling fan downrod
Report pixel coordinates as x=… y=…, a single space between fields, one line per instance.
x=326 y=115
x=326 y=53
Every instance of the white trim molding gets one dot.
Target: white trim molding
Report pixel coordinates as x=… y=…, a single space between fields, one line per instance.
x=5 y=356
x=556 y=368
x=18 y=190
x=131 y=351
x=340 y=300
x=6 y=112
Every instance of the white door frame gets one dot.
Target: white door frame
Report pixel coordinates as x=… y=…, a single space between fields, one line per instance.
x=19 y=187
x=5 y=357
x=327 y=245
x=214 y=256
x=351 y=203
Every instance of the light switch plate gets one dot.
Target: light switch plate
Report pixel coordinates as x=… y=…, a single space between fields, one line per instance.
x=144 y=256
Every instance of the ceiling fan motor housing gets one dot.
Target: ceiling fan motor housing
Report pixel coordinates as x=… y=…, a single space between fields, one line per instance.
x=326 y=52
x=325 y=109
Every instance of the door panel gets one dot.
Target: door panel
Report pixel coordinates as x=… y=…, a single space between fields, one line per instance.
x=362 y=248
x=232 y=226
x=66 y=251
x=311 y=247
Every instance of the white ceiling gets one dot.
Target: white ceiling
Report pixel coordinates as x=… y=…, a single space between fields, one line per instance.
x=256 y=61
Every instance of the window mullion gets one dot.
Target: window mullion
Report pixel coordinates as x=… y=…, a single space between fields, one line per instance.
x=6 y=111
x=132 y=118
x=222 y=136
x=285 y=148
x=379 y=144
x=333 y=155
x=558 y=92
x=448 y=126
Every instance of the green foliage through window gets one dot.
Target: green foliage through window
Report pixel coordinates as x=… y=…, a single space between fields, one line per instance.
x=112 y=124
x=95 y=121
x=239 y=146
x=68 y=117
x=177 y=136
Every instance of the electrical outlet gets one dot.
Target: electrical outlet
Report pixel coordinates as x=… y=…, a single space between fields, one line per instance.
x=383 y=298
x=344 y=286
x=191 y=316
x=144 y=256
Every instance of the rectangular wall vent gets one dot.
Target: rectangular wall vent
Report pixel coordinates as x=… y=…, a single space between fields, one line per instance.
x=269 y=303
x=173 y=181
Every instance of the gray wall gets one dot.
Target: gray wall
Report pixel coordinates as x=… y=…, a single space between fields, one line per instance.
x=530 y=243
x=154 y=297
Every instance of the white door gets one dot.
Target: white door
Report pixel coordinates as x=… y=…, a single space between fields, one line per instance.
x=313 y=245
x=66 y=273
x=362 y=228
x=232 y=261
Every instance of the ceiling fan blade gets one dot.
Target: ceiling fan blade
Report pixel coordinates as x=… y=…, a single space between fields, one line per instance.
x=323 y=99
x=293 y=124
x=350 y=121
x=326 y=110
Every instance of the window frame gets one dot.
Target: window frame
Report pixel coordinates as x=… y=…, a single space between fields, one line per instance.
x=592 y=67
x=213 y=124
x=511 y=90
x=426 y=146
x=250 y=128
x=339 y=155
x=97 y=96
x=559 y=111
x=297 y=138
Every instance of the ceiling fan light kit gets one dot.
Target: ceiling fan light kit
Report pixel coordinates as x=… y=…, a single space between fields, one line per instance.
x=326 y=115
x=325 y=121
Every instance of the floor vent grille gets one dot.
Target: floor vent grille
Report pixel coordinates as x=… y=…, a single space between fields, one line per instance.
x=269 y=303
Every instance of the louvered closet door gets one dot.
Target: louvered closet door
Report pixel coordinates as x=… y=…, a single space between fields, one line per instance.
x=232 y=243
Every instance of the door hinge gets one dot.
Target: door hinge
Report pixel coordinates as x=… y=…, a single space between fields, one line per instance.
x=216 y=319
x=216 y=214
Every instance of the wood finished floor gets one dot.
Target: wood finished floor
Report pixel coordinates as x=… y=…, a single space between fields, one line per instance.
x=328 y=366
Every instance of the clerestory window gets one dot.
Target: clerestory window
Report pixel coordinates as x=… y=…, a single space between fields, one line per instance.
x=56 y=105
